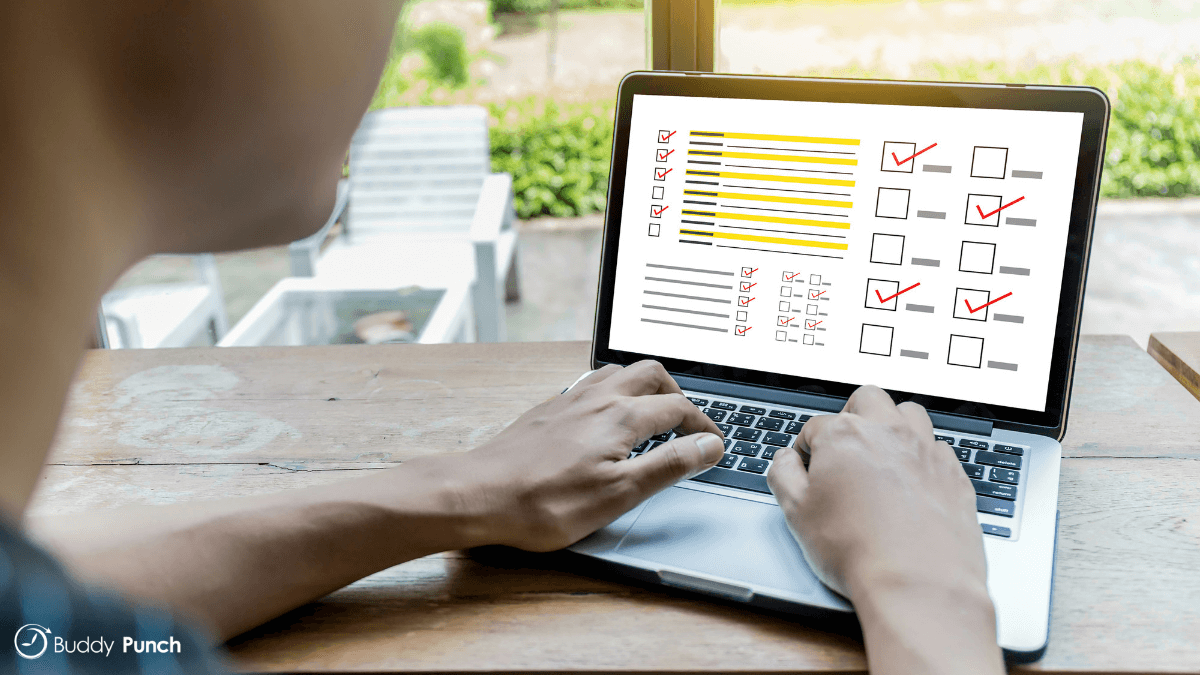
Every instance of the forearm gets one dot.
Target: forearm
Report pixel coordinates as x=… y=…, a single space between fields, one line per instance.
x=944 y=626
x=237 y=563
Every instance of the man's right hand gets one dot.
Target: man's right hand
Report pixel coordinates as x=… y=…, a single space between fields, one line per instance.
x=885 y=515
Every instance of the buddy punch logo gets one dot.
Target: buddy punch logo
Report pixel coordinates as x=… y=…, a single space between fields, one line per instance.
x=33 y=640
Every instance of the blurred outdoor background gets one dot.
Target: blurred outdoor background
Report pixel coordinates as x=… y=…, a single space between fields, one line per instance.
x=546 y=71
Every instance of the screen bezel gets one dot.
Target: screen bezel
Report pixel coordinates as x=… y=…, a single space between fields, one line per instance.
x=1089 y=101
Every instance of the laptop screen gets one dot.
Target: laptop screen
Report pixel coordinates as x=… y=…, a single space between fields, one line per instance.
x=917 y=248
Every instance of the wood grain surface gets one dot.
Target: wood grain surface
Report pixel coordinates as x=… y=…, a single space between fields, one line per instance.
x=176 y=425
x=1179 y=353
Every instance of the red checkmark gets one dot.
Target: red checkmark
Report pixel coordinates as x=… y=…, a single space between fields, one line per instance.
x=747 y=302
x=663 y=155
x=899 y=161
x=659 y=209
x=663 y=138
x=789 y=320
x=662 y=173
x=812 y=324
x=747 y=285
x=883 y=299
x=983 y=216
x=815 y=294
x=742 y=331
x=790 y=276
x=976 y=309
x=753 y=270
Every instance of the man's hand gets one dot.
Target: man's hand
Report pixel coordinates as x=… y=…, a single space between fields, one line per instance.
x=885 y=515
x=562 y=470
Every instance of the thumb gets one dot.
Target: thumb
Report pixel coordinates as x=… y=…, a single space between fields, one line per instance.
x=787 y=478
x=675 y=460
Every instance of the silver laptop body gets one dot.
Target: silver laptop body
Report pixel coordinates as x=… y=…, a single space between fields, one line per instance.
x=722 y=533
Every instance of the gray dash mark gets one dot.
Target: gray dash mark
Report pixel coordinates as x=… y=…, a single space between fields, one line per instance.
x=924 y=309
x=1019 y=271
x=936 y=215
x=914 y=354
x=1010 y=318
x=1000 y=365
x=1036 y=175
x=1027 y=222
x=927 y=262
x=937 y=168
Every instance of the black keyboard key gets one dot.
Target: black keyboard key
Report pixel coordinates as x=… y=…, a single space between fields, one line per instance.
x=1005 y=476
x=972 y=443
x=964 y=455
x=973 y=470
x=723 y=405
x=747 y=449
x=726 y=429
x=741 y=419
x=754 y=410
x=998 y=459
x=735 y=479
x=1008 y=449
x=754 y=465
x=641 y=446
x=996 y=530
x=744 y=434
x=769 y=424
x=773 y=438
x=653 y=445
x=664 y=436
x=805 y=418
x=698 y=401
x=997 y=490
x=769 y=453
x=948 y=439
x=794 y=427
x=783 y=414
x=715 y=415
x=996 y=507
x=727 y=442
x=728 y=461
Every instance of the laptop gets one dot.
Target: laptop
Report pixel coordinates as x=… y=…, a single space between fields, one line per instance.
x=777 y=242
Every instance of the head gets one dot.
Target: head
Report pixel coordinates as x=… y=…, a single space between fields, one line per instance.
x=147 y=126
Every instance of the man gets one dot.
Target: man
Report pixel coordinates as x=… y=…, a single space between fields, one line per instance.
x=141 y=127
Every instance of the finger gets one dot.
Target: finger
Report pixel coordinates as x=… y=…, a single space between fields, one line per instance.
x=811 y=430
x=916 y=417
x=599 y=375
x=673 y=461
x=787 y=478
x=870 y=401
x=643 y=378
x=649 y=415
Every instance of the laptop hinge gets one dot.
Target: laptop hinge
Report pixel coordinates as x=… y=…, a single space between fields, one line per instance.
x=800 y=399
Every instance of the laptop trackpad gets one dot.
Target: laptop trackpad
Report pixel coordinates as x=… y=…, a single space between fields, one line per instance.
x=725 y=537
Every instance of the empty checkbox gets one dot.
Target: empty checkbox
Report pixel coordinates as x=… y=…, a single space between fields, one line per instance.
x=965 y=351
x=810 y=309
x=785 y=306
x=741 y=315
x=809 y=338
x=887 y=249
x=892 y=203
x=988 y=162
x=785 y=291
x=654 y=229
x=781 y=336
x=657 y=192
x=876 y=340
x=977 y=257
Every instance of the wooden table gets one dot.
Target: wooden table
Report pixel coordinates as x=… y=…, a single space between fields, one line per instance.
x=1179 y=353
x=171 y=425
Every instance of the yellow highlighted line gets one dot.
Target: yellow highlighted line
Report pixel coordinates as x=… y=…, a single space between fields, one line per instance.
x=777 y=137
x=768 y=219
x=779 y=179
x=776 y=158
x=767 y=240
x=771 y=198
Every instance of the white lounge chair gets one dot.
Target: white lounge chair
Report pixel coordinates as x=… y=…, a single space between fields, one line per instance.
x=421 y=208
x=166 y=315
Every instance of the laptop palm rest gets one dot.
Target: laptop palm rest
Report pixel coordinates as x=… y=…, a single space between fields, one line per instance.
x=740 y=547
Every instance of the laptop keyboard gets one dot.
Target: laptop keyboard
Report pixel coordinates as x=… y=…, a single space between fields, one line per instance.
x=754 y=433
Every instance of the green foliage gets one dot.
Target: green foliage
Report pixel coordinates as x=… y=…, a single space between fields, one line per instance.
x=558 y=156
x=446 y=51
x=542 y=6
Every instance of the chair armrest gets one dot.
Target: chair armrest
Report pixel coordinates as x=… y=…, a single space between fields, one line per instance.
x=303 y=253
x=494 y=210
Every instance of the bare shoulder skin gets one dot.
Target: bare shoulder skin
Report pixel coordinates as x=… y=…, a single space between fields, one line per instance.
x=140 y=127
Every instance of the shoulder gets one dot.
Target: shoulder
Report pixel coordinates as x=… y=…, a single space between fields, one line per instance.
x=59 y=626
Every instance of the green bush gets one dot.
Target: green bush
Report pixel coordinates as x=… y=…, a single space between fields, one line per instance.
x=446 y=51
x=558 y=156
x=541 y=6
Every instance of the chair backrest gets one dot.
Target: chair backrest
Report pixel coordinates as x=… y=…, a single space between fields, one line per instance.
x=417 y=170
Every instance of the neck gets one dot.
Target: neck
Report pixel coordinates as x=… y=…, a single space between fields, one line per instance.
x=67 y=233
